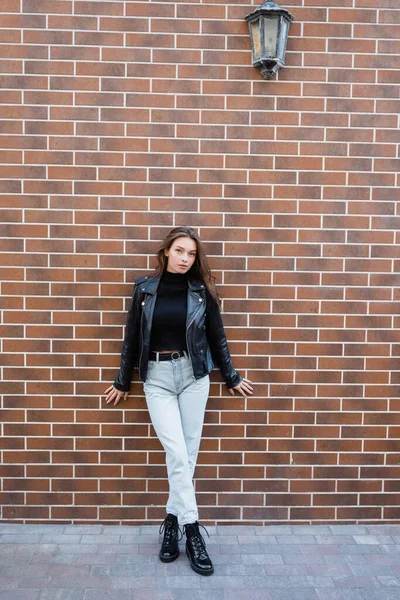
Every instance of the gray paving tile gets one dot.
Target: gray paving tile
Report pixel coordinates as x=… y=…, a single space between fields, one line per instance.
x=268 y=581
x=304 y=559
x=373 y=539
x=261 y=549
x=74 y=549
x=107 y=595
x=388 y=549
x=256 y=594
x=262 y=559
x=35 y=548
x=84 y=529
x=348 y=529
x=320 y=549
x=335 y=539
x=122 y=530
x=50 y=559
x=285 y=570
x=179 y=582
x=7 y=549
x=30 y=528
x=224 y=530
x=381 y=594
x=331 y=570
x=26 y=570
x=18 y=594
x=274 y=530
x=259 y=539
x=59 y=594
x=14 y=559
x=369 y=569
x=361 y=548
x=9 y=583
x=94 y=559
x=386 y=581
x=133 y=583
x=101 y=539
x=222 y=582
x=355 y=581
x=21 y=538
x=295 y=539
x=292 y=594
x=311 y=529
x=311 y=581
x=56 y=538
x=383 y=529
x=333 y=594
x=129 y=549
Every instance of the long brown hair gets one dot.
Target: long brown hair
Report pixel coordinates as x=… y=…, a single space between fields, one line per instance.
x=200 y=268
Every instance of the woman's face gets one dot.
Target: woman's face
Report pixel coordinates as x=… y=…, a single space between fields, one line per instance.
x=181 y=255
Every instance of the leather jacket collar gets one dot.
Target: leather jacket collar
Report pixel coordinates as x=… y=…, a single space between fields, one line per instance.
x=150 y=286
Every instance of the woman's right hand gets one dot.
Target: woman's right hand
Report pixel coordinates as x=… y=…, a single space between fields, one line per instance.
x=116 y=395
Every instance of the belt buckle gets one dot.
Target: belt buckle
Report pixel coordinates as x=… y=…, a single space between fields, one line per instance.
x=172 y=355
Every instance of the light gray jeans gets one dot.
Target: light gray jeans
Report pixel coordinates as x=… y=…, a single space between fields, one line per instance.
x=176 y=403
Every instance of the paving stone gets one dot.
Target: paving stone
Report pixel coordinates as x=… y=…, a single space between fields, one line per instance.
x=129 y=549
x=260 y=539
x=179 y=594
x=101 y=539
x=179 y=581
x=9 y=583
x=36 y=548
x=383 y=529
x=388 y=549
x=373 y=570
x=292 y=594
x=26 y=570
x=361 y=548
x=107 y=595
x=320 y=549
x=332 y=570
x=262 y=559
x=261 y=549
x=75 y=549
x=381 y=594
x=84 y=529
x=14 y=559
x=228 y=559
x=334 y=539
x=249 y=570
x=94 y=559
x=71 y=571
x=50 y=559
x=373 y=539
x=224 y=530
x=7 y=548
x=274 y=530
x=21 y=538
x=56 y=538
x=222 y=582
x=126 y=583
x=333 y=594
x=311 y=529
x=122 y=530
x=311 y=581
x=30 y=528
x=303 y=559
x=348 y=529
x=285 y=570
x=18 y=594
x=268 y=581
x=256 y=594
x=354 y=581
x=295 y=539
x=386 y=581
x=149 y=529
x=59 y=594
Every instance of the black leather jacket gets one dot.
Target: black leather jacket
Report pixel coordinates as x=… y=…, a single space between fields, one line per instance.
x=205 y=335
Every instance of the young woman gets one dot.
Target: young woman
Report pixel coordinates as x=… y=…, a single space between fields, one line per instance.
x=174 y=334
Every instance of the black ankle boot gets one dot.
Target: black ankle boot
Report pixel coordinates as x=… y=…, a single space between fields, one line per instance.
x=169 y=547
x=196 y=549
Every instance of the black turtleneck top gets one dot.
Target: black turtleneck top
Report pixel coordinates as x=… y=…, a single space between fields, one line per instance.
x=168 y=331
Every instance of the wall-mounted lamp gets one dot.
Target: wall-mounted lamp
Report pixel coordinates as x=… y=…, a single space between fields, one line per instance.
x=269 y=28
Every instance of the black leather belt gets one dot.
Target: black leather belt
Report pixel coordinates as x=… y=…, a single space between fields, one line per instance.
x=169 y=356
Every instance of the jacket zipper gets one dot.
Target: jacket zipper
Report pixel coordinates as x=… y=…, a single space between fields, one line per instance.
x=187 y=345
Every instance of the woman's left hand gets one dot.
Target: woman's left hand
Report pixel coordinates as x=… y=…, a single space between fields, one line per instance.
x=244 y=388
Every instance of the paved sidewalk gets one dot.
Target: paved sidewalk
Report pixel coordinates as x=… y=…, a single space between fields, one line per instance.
x=95 y=562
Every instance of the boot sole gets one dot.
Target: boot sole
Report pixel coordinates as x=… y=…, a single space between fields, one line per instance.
x=196 y=569
x=168 y=559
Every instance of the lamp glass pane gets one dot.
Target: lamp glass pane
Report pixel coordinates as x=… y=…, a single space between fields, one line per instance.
x=256 y=38
x=270 y=35
x=283 y=35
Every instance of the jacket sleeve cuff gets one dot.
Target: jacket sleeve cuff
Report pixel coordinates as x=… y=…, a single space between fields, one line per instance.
x=234 y=381
x=121 y=387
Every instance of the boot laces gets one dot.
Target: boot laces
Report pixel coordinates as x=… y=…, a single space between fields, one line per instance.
x=196 y=539
x=171 y=528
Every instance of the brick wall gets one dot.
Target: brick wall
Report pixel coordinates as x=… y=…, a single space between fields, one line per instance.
x=120 y=120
